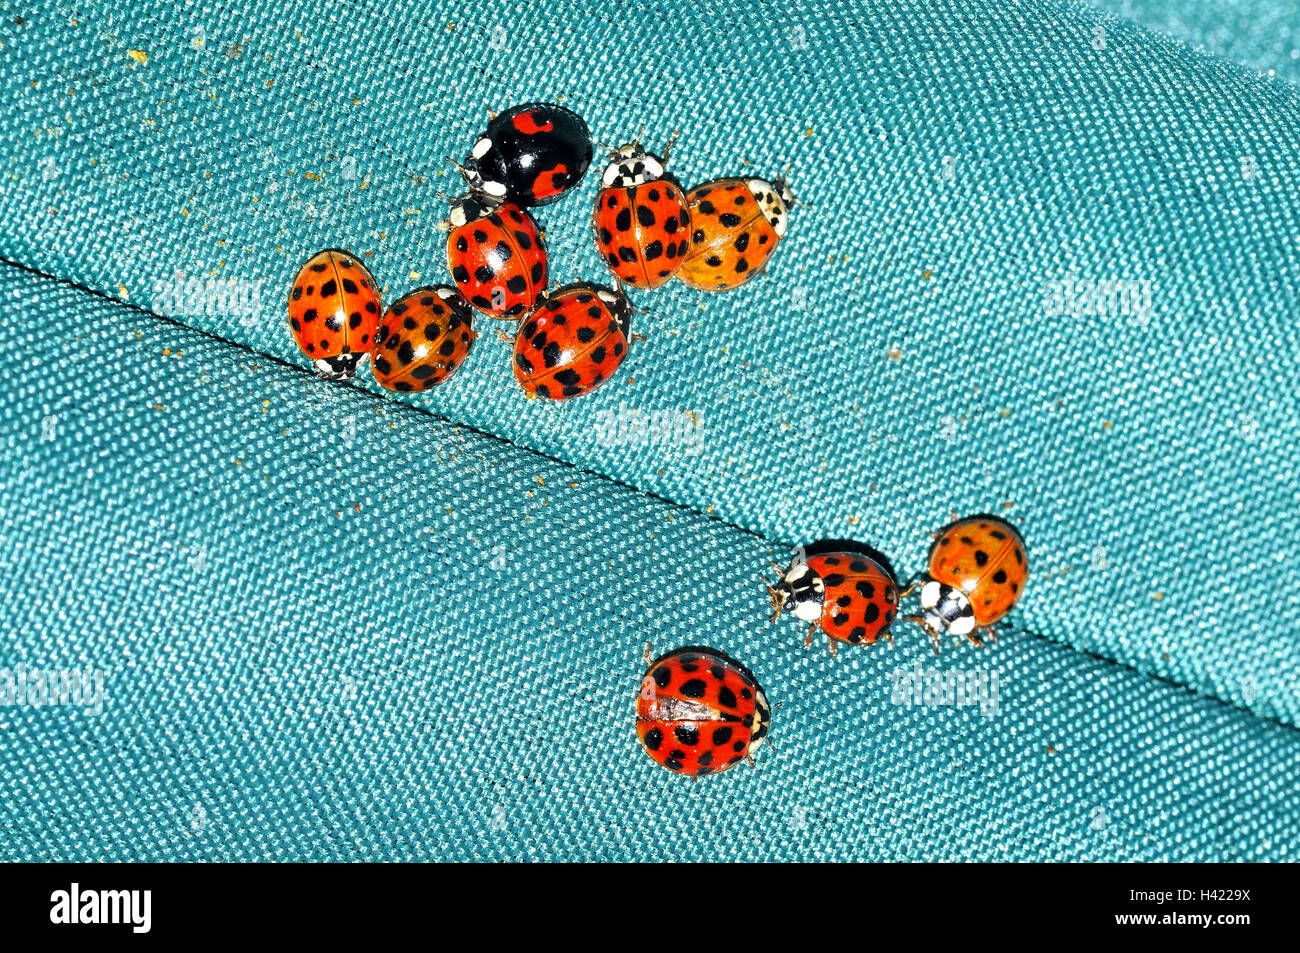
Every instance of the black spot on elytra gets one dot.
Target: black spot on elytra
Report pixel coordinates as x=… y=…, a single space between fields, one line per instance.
x=694 y=688
x=722 y=735
x=687 y=736
x=653 y=739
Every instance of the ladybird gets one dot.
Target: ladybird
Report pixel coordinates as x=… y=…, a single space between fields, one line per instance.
x=641 y=220
x=850 y=596
x=334 y=312
x=699 y=712
x=530 y=155
x=736 y=224
x=573 y=341
x=423 y=338
x=978 y=570
x=496 y=255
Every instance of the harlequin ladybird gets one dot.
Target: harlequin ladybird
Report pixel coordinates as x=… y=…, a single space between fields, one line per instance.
x=530 y=154
x=736 y=224
x=978 y=569
x=699 y=712
x=423 y=338
x=496 y=255
x=334 y=312
x=850 y=596
x=572 y=341
x=641 y=220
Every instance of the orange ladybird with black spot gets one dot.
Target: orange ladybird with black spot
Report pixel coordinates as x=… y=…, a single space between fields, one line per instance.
x=572 y=342
x=699 y=712
x=641 y=219
x=334 y=312
x=423 y=339
x=496 y=255
x=977 y=572
x=851 y=597
x=736 y=225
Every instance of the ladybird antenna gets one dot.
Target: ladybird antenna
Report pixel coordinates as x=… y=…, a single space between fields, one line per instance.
x=668 y=148
x=459 y=168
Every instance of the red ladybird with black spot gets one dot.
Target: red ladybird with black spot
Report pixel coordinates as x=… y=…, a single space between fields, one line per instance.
x=496 y=256
x=423 y=339
x=849 y=596
x=334 y=312
x=699 y=712
x=641 y=219
x=530 y=155
x=573 y=341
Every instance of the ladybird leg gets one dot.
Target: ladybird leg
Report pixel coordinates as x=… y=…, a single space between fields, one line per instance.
x=646 y=653
x=834 y=650
x=505 y=337
x=911 y=588
x=776 y=604
x=930 y=629
x=811 y=629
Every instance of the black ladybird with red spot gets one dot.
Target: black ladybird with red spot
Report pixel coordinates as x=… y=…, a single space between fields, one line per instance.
x=530 y=155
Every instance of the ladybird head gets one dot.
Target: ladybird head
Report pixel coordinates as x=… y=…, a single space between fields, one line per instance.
x=619 y=306
x=470 y=207
x=341 y=367
x=471 y=170
x=762 y=721
x=775 y=200
x=631 y=165
x=799 y=590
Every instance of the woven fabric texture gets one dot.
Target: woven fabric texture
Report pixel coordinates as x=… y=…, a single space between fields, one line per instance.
x=1262 y=35
x=447 y=670
x=424 y=642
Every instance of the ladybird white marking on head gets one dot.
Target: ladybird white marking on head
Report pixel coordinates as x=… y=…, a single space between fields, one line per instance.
x=607 y=296
x=762 y=720
x=481 y=147
x=930 y=594
x=496 y=189
x=446 y=294
x=773 y=201
x=962 y=625
x=632 y=166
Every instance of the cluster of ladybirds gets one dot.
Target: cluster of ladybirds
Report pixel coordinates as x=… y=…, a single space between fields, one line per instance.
x=568 y=340
x=700 y=712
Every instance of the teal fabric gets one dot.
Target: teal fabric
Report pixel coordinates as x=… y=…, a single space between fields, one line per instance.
x=1262 y=35
x=337 y=623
